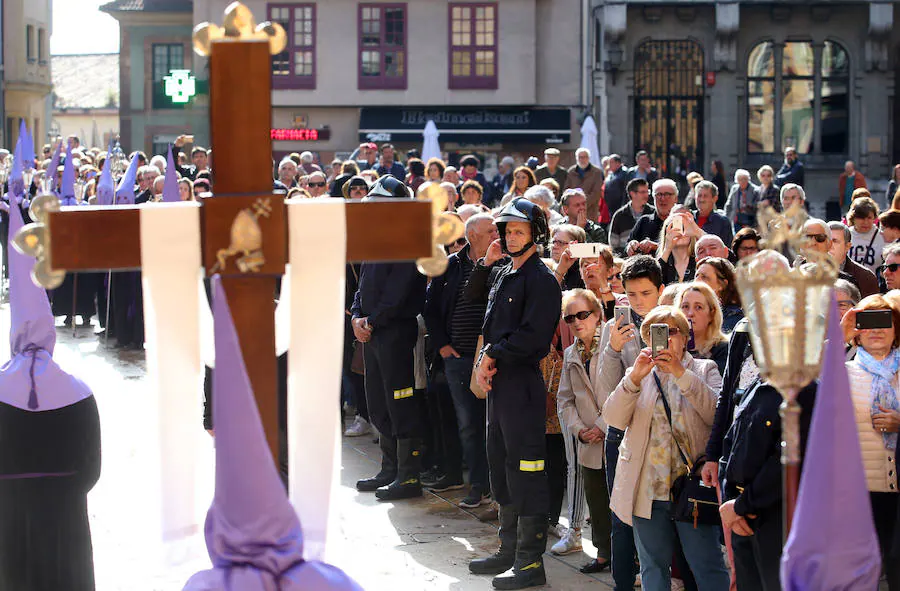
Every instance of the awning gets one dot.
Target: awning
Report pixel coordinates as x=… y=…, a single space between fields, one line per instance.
x=467 y=125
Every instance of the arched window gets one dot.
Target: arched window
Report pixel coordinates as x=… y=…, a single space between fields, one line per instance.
x=788 y=106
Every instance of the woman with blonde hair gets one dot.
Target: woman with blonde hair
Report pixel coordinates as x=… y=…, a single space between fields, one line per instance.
x=675 y=252
x=666 y=404
x=700 y=305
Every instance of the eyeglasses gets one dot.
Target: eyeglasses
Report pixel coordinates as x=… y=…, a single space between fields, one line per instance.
x=664 y=194
x=559 y=242
x=359 y=189
x=820 y=238
x=751 y=248
x=583 y=315
x=316 y=184
x=892 y=267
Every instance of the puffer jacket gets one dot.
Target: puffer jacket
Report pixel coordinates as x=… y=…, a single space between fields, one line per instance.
x=879 y=463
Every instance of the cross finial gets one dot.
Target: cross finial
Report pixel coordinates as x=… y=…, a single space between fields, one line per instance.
x=239 y=25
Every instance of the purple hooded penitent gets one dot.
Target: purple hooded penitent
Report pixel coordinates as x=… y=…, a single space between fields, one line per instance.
x=125 y=190
x=27 y=146
x=252 y=532
x=54 y=164
x=832 y=544
x=105 y=189
x=170 y=184
x=31 y=379
x=16 y=174
x=67 y=188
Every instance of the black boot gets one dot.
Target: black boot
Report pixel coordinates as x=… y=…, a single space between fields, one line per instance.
x=388 y=466
x=528 y=569
x=409 y=463
x=506 y=555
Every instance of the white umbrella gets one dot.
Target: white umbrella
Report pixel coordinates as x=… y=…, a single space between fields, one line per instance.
x=431 y=148
x=589 y=139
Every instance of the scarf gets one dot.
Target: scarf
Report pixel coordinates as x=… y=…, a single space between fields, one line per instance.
x=883 y=392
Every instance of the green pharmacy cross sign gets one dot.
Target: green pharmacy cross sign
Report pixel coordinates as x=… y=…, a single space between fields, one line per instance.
x=180 y=86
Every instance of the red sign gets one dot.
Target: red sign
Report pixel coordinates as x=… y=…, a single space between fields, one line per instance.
x=300 y=135
x=710 y=79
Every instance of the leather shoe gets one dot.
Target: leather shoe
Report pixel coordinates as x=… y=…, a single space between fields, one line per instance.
x=594 y=566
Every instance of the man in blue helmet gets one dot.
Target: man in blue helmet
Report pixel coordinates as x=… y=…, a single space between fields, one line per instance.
x=384 y=311
x=523 y=311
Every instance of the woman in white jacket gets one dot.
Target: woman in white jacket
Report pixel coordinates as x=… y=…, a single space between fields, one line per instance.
x=875 y=385
x=579 y=410
x=649 y=458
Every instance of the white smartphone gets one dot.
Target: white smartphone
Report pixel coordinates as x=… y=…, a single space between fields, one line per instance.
x=678 y=224
x=585 y=250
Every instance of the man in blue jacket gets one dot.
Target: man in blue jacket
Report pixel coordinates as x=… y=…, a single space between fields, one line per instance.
x=523 y=309
x=389 y=298
x=792 y=169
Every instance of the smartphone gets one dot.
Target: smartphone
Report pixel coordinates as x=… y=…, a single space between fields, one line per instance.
x=872 y=319
x=659 y=338
x=189 y=139
x=622 y=311
x=584 y=250
x=678 y=224
x=691 y=344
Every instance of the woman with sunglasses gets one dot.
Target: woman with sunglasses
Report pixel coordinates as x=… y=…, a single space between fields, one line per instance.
x=698 y=302
x=671 y=384
x=874 y=384
x=615 y=277
x=718 y=273
x=579 y=405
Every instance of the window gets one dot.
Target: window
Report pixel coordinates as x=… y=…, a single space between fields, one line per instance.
x=166 y=57
x=473 y=45
x=783 y=98
x=382 y=46
x=41 y=47
x=29 y=43
x=295 y=67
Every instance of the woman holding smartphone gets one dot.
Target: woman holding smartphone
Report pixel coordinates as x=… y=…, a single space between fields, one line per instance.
x=665 y=404
x=676 y=250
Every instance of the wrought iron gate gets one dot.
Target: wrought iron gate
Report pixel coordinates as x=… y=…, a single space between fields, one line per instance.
x=669 y=83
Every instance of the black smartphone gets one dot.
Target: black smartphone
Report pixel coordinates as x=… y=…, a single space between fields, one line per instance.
x=659 y=338
x=872 y=319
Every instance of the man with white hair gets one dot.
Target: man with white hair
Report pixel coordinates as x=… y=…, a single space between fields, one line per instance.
x=644 y=235
x=710 y=245
x=307 y=164
x=145 y=177
x=740 y=209
x=159 y=162
x=317 y=183
x=287 y=173
x=157 y=187
x=587 y=177
x=503 y=181
x=541 y=196
x=790 y=194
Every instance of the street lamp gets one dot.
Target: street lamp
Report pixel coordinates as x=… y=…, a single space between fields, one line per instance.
x=614 y=57
x=788 y=310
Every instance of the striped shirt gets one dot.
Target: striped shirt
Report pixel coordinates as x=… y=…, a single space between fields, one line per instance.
x=468 y=316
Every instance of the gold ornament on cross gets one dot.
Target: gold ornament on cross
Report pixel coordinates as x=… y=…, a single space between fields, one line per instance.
x=34 y=240
x=446 y=228
x=239 y=25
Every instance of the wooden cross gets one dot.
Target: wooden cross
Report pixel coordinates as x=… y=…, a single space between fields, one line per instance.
x=94 y=238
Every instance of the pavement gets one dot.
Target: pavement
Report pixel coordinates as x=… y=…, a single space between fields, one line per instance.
x=421 y=544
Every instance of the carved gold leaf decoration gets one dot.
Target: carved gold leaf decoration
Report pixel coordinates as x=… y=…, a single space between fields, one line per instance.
x=446 y=228
x=238 y=25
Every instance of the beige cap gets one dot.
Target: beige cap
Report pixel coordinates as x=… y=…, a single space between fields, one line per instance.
x=551 y=152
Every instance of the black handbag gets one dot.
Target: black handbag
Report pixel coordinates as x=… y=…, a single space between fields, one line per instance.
x=691 y=501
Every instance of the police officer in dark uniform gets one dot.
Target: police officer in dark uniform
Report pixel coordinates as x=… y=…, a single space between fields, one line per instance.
x=523 y=311
x=384 y=311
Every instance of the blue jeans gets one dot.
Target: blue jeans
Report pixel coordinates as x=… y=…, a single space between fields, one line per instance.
x=623 y=550
x=655 y=539
x=470 y=414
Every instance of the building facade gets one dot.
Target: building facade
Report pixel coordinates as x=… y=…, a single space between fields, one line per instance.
x=496 y=77
x=26 y=68
x=155 y=40
x=89 y=111
x=738 y=82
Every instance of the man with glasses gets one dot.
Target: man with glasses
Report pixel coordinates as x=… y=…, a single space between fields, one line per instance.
x=625 y=218
x=890 y=270
x=317 y=184
x=646 y=230
x=791 y=194
x=841 y=243
x=454 y=325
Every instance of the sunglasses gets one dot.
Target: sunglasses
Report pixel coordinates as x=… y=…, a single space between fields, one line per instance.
x=316 y=184
x=820 y=238
x=892 y=267
x=458 y=242
x=583 y=315
x=360 y=189
x=616 y=276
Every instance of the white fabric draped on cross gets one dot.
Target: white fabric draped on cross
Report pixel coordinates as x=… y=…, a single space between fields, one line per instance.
x=310 y=315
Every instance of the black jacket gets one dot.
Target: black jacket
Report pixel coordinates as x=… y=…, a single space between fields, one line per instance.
x=523 y=309
x=738 y=350
x=389 y=292
x=440 y=300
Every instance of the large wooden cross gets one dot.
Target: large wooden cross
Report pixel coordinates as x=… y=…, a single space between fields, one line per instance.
x=100 y=238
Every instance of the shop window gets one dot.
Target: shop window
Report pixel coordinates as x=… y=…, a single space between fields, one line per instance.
x=166 y=57
x=473 y=45
x=295 y=67
x=788 y=101
x=29 y=44
x=382 y=46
